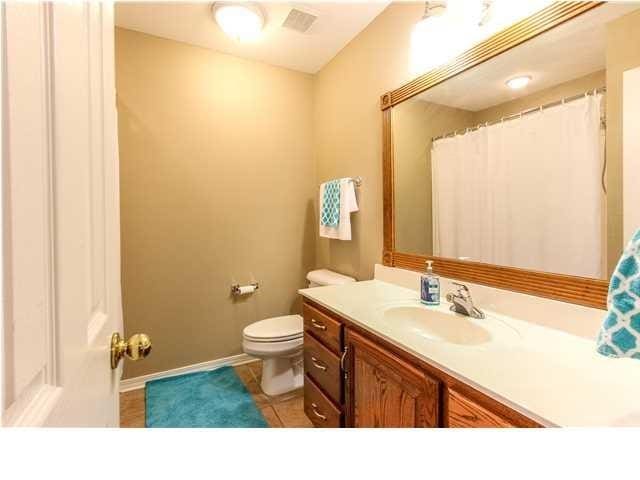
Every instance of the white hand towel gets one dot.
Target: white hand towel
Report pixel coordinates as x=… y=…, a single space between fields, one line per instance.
x=348 y=205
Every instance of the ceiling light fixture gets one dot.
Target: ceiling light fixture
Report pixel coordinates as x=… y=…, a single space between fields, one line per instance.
x=432 y=9
x=242 y=21
x=516 y=83
x=431 y=41
x=485 y=13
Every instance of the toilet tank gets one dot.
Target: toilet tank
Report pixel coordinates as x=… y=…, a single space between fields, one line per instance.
x=320 y=278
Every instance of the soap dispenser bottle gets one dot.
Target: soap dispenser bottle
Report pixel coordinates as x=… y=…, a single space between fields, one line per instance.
x=430 y=286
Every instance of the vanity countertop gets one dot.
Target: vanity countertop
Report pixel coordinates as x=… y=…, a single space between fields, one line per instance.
x=551 y=376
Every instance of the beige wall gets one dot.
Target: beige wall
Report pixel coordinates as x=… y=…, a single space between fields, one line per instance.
x=217 y=187
x=623 y=53
x=415 y=123
x=348 y=128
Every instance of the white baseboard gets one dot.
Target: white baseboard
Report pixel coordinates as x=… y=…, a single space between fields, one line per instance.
x=139 y=382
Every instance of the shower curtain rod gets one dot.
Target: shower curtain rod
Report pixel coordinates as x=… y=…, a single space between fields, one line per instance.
x=595 y=91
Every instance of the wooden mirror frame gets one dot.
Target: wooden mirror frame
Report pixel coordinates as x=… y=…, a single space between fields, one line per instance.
x=579 y=290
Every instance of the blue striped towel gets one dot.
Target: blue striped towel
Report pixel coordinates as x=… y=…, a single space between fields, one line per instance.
x=620 y=333
x=330 y=209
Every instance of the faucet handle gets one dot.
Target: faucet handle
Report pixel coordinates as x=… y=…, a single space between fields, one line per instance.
x=462 y=288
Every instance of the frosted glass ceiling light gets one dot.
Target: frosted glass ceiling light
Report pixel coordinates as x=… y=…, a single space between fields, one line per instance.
x=241 y=20
x=516 y=83
x=434 y=40
x=432 y=9
x=485 y=13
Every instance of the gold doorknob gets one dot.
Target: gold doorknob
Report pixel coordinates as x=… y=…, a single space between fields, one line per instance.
x=136 y=348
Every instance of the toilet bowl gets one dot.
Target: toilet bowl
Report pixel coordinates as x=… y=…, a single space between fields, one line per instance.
x=278 y=342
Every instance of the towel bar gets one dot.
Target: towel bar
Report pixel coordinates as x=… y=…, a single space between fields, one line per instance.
x=357 y=181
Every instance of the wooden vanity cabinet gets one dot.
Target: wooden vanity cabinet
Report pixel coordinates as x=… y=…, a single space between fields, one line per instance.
x=385 y=391
x=354 y=378
x=327 y=329
x=323 y=367
x=464 y=413
x=319 y=408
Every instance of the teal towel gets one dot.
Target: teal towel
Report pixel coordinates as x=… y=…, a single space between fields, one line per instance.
x=620 y=332
x=330 y=214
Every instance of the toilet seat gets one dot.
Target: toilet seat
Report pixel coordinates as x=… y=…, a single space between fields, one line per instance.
x=263 y=350
x=275 y=330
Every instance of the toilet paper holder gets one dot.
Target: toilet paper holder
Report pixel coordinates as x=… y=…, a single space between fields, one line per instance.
x=237 y=289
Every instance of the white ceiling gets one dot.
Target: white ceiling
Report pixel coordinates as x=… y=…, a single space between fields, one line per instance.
x=336 y=25
x=572 y=50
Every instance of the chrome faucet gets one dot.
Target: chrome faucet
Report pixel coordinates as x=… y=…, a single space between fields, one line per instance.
x=462 y=303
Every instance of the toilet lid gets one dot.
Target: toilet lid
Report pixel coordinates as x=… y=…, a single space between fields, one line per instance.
x=275 y=329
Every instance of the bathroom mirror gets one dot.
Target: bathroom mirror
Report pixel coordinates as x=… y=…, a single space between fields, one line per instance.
x=505 y=165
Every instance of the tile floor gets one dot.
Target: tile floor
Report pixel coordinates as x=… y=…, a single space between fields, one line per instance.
x=285 y=410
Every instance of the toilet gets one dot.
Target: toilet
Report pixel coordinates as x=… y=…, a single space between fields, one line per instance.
x=278 y=342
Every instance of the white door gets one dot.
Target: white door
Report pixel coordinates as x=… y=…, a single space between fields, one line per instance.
x=61 y=237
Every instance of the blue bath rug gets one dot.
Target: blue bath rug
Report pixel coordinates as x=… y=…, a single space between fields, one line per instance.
x=214 y=399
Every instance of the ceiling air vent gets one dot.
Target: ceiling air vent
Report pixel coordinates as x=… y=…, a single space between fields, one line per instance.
x=298 y=20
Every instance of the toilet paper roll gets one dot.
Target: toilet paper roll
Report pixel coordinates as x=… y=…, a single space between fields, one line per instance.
x=246 y=289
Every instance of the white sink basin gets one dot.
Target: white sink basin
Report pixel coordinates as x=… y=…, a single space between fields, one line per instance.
x=445 y=326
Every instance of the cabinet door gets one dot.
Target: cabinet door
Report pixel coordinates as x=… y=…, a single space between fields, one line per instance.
x=463 y=412
x=385 y=391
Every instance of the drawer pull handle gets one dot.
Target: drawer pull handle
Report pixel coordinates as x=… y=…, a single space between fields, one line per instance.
x=318 y=414
x=343 y=357
x=318 y=364
x=318 y=325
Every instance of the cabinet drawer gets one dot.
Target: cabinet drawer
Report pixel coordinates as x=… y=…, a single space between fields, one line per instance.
x=319 y=408
x=323 y=327
x=465 y=413
x=323 y=366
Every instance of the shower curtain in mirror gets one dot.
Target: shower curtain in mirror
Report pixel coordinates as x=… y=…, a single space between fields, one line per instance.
x=525 y=192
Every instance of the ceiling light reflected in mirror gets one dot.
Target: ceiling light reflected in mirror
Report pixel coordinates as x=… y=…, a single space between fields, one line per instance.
x=517 y=83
